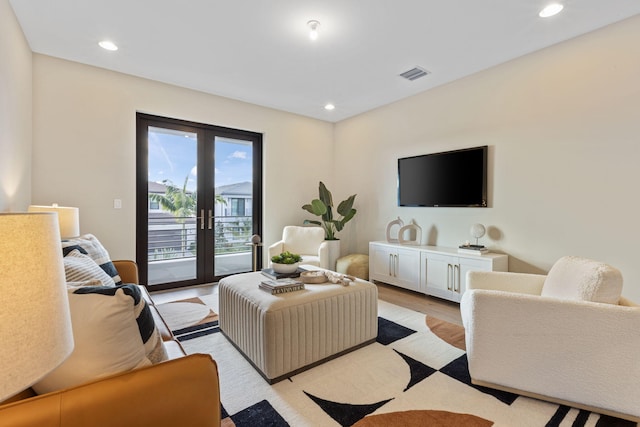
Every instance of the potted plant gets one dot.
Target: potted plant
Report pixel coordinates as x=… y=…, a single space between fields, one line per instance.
x=323 y=207
x=286 y=262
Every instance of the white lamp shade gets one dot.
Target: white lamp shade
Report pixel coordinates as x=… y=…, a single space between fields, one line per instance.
x=35 y=324
x=68 y=218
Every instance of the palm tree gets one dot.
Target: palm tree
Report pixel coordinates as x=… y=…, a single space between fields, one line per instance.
x=220 y=199
x=180 y=202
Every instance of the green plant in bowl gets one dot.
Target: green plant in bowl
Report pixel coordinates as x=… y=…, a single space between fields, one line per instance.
x=286 y=262
x=286 y=258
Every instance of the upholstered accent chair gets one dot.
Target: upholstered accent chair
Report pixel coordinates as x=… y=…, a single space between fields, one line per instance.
x=567 y=337
x=307 y=242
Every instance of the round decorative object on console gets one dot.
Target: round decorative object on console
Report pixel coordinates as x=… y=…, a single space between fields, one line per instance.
x=477 y=231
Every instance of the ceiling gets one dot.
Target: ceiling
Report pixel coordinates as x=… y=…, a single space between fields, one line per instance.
x=259 y=51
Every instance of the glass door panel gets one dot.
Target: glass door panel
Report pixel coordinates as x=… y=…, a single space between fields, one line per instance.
x=233 y=213
x=173 y=190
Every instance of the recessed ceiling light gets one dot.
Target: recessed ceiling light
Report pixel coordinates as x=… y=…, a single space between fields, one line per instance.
x=108 y=45
x=550 y=10
x=313 y=26
x=329 y=107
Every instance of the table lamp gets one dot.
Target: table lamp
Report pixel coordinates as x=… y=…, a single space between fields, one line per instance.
x=35 y=323
x=68 y=218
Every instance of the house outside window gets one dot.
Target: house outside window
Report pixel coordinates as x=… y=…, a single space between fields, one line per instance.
x=237 y=207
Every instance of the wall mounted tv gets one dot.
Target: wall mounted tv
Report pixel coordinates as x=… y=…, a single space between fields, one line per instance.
x=448 y=179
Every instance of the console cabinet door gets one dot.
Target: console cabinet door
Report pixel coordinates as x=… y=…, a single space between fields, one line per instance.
x=382 y=264
x=438 y=275
x=408 y=268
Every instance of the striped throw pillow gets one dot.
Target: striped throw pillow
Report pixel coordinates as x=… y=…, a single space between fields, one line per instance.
x=89 y=244
x=80 y=268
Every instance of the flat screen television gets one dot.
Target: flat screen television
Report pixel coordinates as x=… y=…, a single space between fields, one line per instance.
x=448 y=179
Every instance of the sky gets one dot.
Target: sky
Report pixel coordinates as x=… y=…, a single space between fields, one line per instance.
x=172 y=156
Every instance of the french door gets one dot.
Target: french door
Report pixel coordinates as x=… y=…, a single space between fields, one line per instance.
x=199 y=198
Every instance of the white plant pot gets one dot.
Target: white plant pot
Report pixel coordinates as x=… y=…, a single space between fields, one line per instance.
x=284 y=268
x=334 y=253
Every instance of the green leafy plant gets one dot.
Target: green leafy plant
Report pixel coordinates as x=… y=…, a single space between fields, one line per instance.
x=323 y=207
x=286 y=258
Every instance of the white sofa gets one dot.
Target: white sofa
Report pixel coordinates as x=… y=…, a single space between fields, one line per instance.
x=308 y=242
x=566 y=337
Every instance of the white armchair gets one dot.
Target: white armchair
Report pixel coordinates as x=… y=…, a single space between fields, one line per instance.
x=308 y=242
x=567 y=337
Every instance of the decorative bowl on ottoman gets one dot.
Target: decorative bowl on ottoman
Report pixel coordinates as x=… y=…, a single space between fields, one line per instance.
x=286 y=262
x=284 y=268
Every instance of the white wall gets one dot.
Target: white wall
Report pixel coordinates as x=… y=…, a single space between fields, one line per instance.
x=84 y=146
x=15 y=113
x=563 y=127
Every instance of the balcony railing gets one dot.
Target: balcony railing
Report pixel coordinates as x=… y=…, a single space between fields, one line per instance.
x=172 y=238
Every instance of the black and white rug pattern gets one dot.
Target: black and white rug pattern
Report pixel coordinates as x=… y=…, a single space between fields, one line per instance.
x=408 y=368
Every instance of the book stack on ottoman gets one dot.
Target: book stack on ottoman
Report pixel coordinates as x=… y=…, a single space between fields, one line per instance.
x=283 y=334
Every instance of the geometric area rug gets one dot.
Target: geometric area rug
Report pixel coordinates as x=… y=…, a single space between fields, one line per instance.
x=411 y=376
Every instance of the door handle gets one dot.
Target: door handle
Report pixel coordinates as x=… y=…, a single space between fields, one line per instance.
x=449 y=274
x=390 y=264
x=426 y=272
x=210 y=219
x=201 y=219
x=456 y=278
x=395 y=266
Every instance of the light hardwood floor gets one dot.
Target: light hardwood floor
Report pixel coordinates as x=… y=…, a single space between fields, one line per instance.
x=436 y=307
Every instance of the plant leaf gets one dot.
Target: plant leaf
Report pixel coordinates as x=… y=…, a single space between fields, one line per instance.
x=318 y=207
x=349 y=216
x=345 y=206
x=325 y=195
x=328 y=215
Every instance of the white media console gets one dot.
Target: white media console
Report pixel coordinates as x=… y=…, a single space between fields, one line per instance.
x=431 y=270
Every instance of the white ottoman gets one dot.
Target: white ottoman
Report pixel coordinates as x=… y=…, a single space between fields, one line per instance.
x=284 y=334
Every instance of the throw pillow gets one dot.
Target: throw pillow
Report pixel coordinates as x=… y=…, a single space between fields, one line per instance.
x=81 y=268
x=89 y=244
x=149 y=333
x=583 y=279
x=107 y=329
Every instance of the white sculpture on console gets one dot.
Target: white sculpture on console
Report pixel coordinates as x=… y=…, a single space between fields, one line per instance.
x=477 y=231
x=400 y=224
x=413 y=229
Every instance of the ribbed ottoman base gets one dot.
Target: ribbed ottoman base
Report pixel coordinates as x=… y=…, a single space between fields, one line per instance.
x=284 y=334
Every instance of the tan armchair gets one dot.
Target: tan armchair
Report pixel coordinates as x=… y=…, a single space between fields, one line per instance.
x=566 y=337
x=308 y=242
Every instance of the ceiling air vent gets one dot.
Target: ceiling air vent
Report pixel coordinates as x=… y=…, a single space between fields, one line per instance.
x=414 y=73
